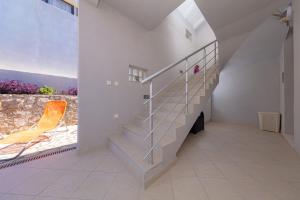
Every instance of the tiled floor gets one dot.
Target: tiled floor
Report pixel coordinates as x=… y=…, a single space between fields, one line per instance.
x=225 y=162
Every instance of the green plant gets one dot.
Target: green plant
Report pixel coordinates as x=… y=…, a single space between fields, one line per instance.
x=46 y=90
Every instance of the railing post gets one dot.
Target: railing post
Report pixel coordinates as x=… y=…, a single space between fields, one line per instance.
x=215 y=52
x=151 y=121
x=204 y=79
x=186 y=86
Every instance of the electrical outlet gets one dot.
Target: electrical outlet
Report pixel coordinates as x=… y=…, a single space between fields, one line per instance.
x=146 y=97
x=108 y=83
x=116 y=116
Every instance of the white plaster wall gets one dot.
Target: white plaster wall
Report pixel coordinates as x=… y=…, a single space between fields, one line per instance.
x=228 y=47
x=250 y=81
x=287 y=86
x=59 y=83
x=108 y=43
x=37 y=37
x=287 y=89
x=296 y=8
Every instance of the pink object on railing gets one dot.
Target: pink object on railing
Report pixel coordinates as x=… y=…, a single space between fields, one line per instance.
x=196 y=69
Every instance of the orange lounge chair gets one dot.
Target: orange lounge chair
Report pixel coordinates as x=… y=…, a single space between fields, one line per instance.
x=51 y=119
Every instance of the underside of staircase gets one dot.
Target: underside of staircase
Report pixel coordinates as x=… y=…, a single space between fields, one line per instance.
x=130 y=146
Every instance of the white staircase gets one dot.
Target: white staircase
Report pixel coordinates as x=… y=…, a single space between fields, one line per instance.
x=148 y=145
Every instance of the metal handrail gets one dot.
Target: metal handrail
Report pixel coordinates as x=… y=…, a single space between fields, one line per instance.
x=173 y=81
x=169 y=84
x=153 y=76
x=188 y=67
x=167 y=115
x=158 y=142
x=165 y=101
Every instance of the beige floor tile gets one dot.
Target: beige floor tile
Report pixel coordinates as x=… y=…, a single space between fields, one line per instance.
x=110 y=164
x=38 y=182
x=208 y=170
x=53 y=198
x=183 y=168
x=251 y=190
x=161 y=189
x=188 y=189
x=226 y=162
x=95 y=186
x=16 y=197
x=15 y=176
x=66 y=185
x=233 y=171
x=125 y=187
x=281 y=189
x=221 y=189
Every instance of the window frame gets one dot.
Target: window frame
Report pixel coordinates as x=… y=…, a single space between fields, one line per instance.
x=73 y=10
x=136 y=74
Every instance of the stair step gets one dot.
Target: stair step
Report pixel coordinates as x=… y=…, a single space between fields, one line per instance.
x=134 y=152
x=137 y=134
x=130 y=145
x=181 y=99
x=192 y=91
x=177 y=107
x=163 y=115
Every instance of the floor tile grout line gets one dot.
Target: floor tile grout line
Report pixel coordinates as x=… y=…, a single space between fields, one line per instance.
x=50 y=185
x=172 y=186
x=107 y=192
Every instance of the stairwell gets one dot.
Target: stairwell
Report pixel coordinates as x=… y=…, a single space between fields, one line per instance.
x=148 y=146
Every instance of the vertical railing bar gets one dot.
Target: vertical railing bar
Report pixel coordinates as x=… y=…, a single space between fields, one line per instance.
x=186 y=85
x=215 y=53
x=151 y=120
x=160 y=138
x=187 y=90
x=205 y=63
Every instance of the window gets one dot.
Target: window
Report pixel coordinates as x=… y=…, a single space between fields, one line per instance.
x=136 y=74
x=70 y=6
x=191 y=13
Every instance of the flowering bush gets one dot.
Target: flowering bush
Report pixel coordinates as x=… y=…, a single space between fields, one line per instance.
x=72 y=91
x=17 y=87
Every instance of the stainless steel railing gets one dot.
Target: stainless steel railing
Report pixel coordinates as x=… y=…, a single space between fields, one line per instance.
x=186 y=97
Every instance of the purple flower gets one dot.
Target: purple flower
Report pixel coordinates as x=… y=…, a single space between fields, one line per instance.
x=72 y=91
x=17 y=87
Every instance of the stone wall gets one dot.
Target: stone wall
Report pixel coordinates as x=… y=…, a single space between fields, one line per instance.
x=19 y=112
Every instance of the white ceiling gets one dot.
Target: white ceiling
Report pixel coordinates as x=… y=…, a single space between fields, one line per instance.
x=220 y=13
x=191 y=13
x=148 y=13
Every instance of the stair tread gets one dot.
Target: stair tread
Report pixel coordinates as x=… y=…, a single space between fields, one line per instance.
x=132 y=143
x=167 y=116
x=140 y=132
x=134 y=152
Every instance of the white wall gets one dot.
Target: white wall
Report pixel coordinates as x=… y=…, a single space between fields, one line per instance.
x=287 y=87
x=59 y=83
x=229 y=46
x=109 y=42
x=37 y=37
x=296 y=8
x=250 y=81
